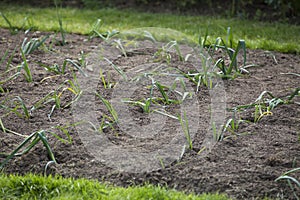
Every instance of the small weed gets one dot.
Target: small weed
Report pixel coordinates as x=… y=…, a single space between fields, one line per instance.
x=114 y=115
x=42 y=102
x=28 y=144
x=94 y=32
x=65 y=131
x=31 y=141
x=231 y=70
x=75 y=64
x=218 y=134
x=174 y=44
x=185 y=127
x=183 y=93
x=162 y=164
x=32 y=44
x=166 y=99
x=149 y=36
x=4 y=57
x=227 y=69
x=120 y=46
x=263 y=106
x=265 y=103
x=164 y=53
x=53 y=68
x=57 y=103
x=106 y=81
x=72 y=87
x=119 y=70
x=144 y=104
x=203 y=78
x=24 y=107
x=232 y=125
x=16 y=104
x=10 y=77
x=293 y=95
x=9 y=61
x=55 y=97
x=26 y=68
x=82 y=60
x=57 y=69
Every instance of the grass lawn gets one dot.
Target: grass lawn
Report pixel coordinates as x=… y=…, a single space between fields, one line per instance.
x=268 y=36
x=36 y=187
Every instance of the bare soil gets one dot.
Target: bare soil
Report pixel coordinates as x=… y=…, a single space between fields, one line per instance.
x=244 y=165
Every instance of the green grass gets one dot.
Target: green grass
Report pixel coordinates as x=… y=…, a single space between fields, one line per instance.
x=263 y=35
x=38 y=187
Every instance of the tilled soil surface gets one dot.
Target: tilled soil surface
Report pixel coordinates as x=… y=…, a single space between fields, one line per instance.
x=243 y=165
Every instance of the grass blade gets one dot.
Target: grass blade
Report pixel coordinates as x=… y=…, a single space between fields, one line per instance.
x=120 y=47
x=42 y=137
x=33 y=44
x=10 y=78
x=185 y=127
x=10 y=58
x=202 y=43
x=12 y=29
x=17 y=149
x=2 y=126
x=3 y=57
x=148 y=35
x=166 y=114
x=295 y=93
x=176 y=46
x=59 y=17
x=120 y=71
x=76 y=66
x=289 y=178
x=233 y=63
x=24 y=107
x=162 y=91
x=229 y=38
x=109 y=107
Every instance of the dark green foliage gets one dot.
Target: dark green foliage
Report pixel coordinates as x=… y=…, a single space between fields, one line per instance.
x=271 y=10
x=278 y=10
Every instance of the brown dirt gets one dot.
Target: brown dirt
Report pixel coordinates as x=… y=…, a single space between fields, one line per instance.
x=244 y=165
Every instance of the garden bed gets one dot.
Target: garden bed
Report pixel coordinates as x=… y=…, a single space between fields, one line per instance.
x=244 y=164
